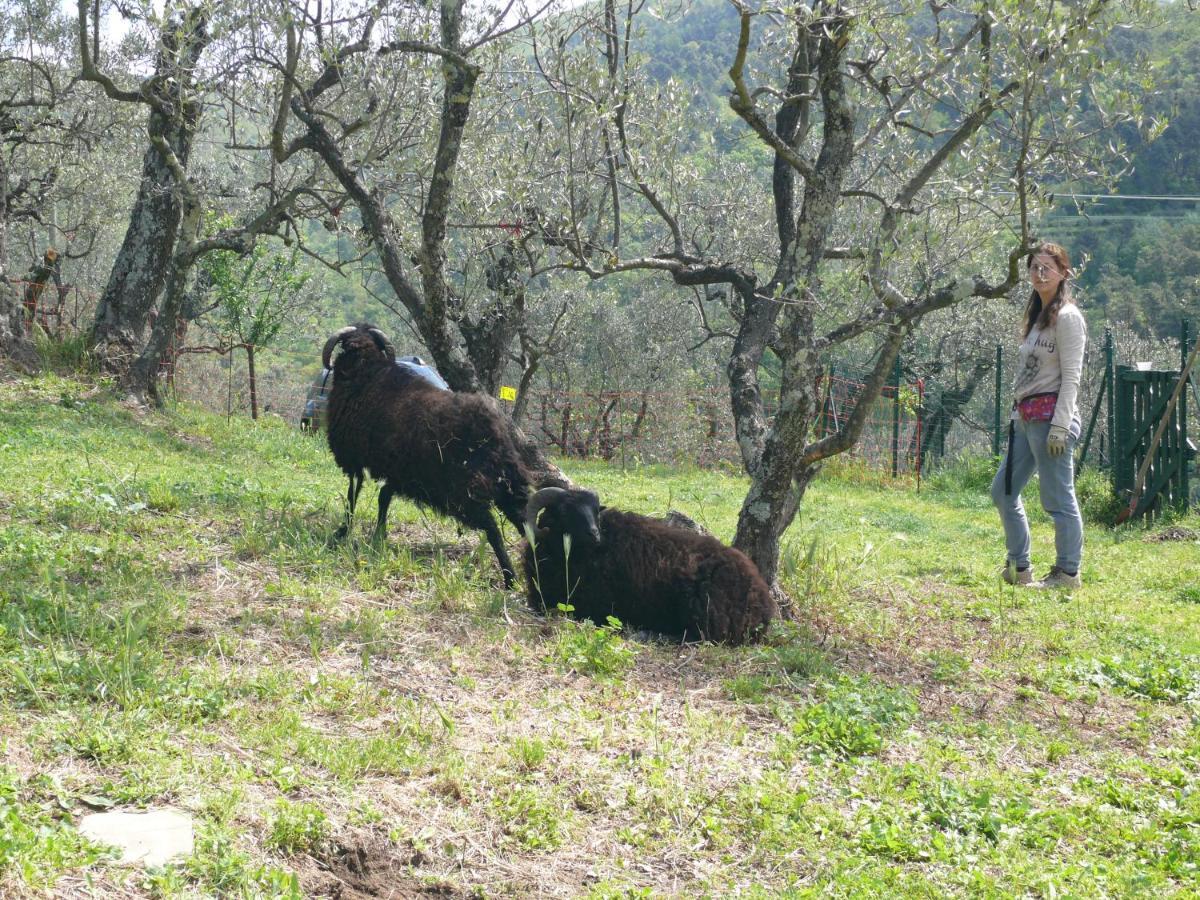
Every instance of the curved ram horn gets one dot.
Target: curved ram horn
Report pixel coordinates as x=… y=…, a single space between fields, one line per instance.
x=332 y=342
x=538 y=502
x=382 y=342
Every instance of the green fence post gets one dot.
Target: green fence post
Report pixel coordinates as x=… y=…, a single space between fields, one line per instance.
x=1123 y=443
x=1091 y=427
x=943 y=423
x=896 y=417
x=1110 y=373
x=996 y=420
x=1184 y=462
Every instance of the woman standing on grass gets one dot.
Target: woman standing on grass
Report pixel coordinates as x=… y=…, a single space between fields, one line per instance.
x=1045 y=424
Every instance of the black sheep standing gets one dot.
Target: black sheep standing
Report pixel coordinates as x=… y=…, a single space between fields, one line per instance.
x=450 y=452
x=647 y=573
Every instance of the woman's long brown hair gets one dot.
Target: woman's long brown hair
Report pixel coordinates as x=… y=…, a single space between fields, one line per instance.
x=1034 y=313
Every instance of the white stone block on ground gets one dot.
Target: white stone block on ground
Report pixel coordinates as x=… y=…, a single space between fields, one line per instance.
x=150 y=838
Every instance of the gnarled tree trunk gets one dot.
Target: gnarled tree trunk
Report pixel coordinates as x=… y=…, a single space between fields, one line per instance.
x=141 y=379
x=140 y=271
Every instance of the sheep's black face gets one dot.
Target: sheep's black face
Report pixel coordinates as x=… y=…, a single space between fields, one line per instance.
x=577 y=514
x=359 y=352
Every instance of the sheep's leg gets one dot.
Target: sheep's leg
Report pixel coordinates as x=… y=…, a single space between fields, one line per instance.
x=385 y=500
x=352 y=491
x=492 y=530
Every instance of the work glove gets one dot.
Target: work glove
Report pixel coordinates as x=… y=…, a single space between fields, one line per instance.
x=1056 y=443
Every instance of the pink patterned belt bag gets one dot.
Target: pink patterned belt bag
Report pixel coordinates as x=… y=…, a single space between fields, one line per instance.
x=1038 y=407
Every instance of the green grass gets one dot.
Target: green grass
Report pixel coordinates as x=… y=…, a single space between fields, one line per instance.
x=298 y=827
x=179 y=627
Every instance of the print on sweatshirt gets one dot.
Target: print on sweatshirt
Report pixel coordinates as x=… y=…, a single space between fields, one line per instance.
x=1032 y=362
x=1051 y=360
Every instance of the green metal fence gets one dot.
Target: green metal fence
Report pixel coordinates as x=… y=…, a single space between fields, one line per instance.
x=1141 y=399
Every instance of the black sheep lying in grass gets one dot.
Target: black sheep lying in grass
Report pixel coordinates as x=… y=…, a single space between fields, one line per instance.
x=645 y=572
x=453 y=453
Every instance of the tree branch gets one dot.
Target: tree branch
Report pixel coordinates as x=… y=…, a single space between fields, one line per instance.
x=898 y=309
x=279 y=124
x=453 y=56
x=918 y=82
x=742 y=103
x=878 y=281
x=89 y=69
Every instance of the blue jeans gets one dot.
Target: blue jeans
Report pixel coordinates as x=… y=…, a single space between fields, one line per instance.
x=1056 y=477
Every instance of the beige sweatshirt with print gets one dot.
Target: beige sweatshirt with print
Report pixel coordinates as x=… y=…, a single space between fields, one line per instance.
x=1052 y=360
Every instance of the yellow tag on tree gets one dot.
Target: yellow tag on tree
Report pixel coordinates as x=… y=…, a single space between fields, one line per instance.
x=508 y=393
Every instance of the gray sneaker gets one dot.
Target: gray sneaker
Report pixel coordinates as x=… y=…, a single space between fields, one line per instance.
x=1057 y=578
x=1012 y=575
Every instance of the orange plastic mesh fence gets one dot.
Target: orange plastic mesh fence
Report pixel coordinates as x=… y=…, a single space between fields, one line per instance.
x=677 y=427
x=60 y=309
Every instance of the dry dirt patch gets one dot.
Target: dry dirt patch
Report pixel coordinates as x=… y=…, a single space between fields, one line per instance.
x=367 y=865
x=1174 y=533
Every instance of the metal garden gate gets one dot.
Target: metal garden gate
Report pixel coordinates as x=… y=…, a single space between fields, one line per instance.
x=1141 y=399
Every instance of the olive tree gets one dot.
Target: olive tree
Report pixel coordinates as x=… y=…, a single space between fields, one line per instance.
x=255 y=294
x=177 y=61
x=869 y=120
x=383 y=95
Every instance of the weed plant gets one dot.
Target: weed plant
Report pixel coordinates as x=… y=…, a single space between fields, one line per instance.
x=969 y=473
x=66 y=355
x=298 y=827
